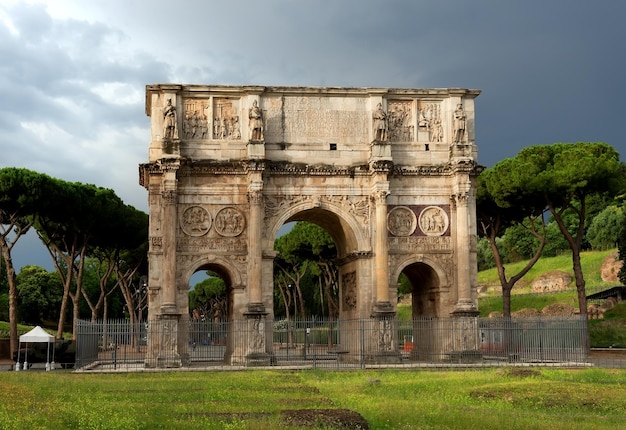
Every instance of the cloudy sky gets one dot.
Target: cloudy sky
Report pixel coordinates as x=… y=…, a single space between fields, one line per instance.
x=73 y=72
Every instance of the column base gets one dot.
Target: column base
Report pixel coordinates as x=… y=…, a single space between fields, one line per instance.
x=383 y=309
x=255 y=309
x=169 y=309
x=258 y=359
x=385 y=357
x=465 y=309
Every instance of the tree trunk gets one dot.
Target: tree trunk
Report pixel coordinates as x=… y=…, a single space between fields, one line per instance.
x=13 y=316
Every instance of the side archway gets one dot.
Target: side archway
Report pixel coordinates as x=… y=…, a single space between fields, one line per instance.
x=429 y=283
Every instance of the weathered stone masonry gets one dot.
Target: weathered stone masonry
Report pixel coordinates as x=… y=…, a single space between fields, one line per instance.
x=389 y=173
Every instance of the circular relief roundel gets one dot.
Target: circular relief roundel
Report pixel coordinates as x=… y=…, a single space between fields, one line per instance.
x=195 y=221
x=229 y=222
x=433 y=221
x=401 y=221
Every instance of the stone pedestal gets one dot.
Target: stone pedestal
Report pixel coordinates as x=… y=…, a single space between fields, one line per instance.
x=384 y=342
x=256 y=149
x=380 y=151
x=171 y=147
x=164 y=339
x=256 y=354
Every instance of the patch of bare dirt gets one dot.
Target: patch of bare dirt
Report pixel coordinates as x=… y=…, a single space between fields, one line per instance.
x=324 y=418
x=520 y=372
x=559 y=310
x=526 y=313
x=611 y=267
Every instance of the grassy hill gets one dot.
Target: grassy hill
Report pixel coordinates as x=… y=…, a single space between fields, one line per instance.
x=608 y=332
x=522 y=298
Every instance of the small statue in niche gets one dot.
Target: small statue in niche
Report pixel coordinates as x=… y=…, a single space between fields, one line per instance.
x=170 y=130
x=380 y=123
x=459 y=124
x=256 y=122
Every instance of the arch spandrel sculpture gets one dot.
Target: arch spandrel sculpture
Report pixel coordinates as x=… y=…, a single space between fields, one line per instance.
x=389 y=173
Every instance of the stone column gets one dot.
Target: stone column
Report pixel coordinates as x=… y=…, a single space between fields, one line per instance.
x=383 y=347
x=257 y=354
x=381 y=250
x=255 y=251
x=170 y=223
x=169 y=314
x=465 y=304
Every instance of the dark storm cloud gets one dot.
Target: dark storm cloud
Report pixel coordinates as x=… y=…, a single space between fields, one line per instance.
x=73 y=73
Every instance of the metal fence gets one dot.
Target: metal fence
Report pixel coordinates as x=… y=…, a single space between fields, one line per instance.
x=318 y=343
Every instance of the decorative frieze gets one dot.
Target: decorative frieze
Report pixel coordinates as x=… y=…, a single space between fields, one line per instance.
x=216 y=244
x=348 y=289
x=420 y=244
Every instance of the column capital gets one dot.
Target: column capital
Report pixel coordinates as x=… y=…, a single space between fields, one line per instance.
x=460 y=199
x=380 y=196
x=169 y=197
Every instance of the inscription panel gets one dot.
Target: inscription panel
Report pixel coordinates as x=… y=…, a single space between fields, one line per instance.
x=317 y=119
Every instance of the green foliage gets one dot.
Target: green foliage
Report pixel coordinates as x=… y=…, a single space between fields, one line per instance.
x=405 y=285
x=518 y=243
x=555 y=241
x=486 y=305
x=621 y=246
x=306 y=261
x=606 y=228
x=484 y=254
x=39 y=294
x=4 y=307
x=591 y=262
x=610 y=331
x=209 y=298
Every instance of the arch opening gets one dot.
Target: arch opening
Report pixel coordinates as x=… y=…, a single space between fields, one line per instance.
x=424 y=287
x=305 y=271
x=210 y=303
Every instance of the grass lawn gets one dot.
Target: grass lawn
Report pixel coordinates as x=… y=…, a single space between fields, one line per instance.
x=509 y=398
x=591 y=262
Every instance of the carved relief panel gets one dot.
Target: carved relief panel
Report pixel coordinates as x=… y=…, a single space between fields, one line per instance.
x=400 y=118
x=195 y=221
x=433 y=221
x=429 y=121
x=419 y=229
x=348 y=290
x=229 y=222
x=201 y=231
x=403 y=221
x=226 y=121
x=195 y=120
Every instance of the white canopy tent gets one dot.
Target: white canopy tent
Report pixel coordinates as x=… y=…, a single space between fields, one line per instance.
x=36 y=335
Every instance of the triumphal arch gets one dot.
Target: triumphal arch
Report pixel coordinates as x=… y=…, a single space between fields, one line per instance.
x=388 y=173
